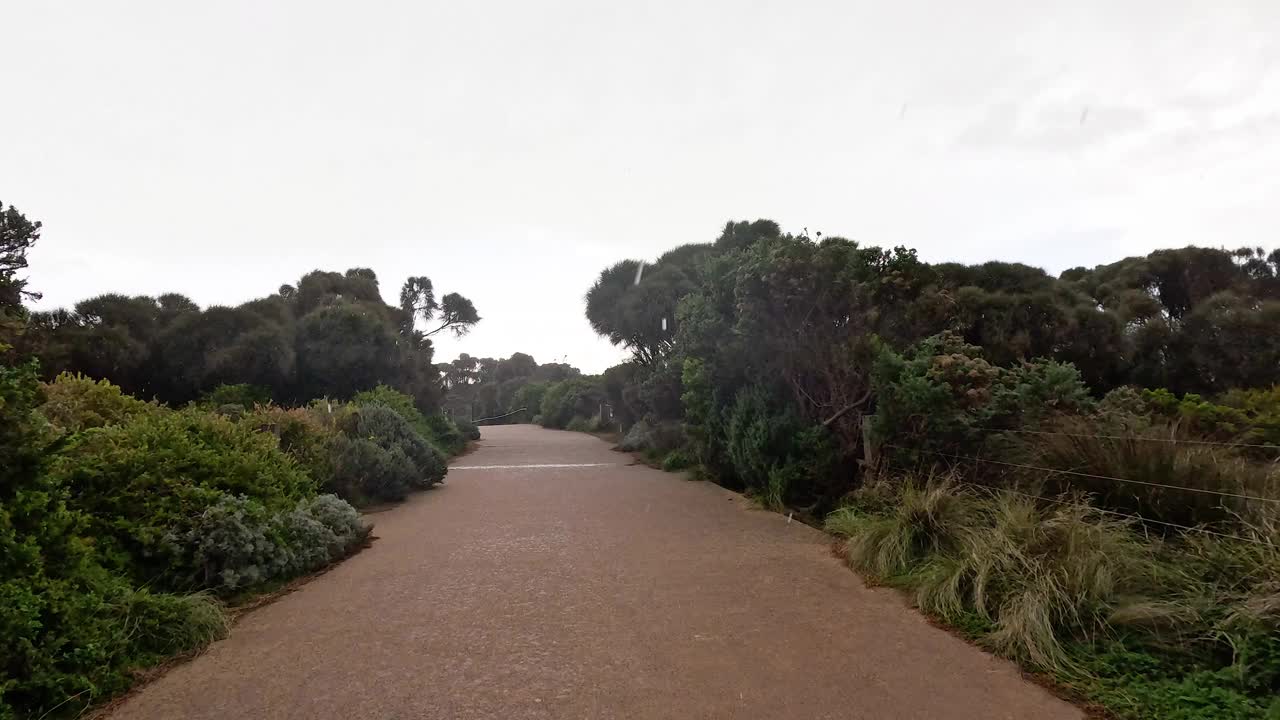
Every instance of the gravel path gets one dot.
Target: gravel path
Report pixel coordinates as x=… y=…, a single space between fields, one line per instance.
x=588 y=588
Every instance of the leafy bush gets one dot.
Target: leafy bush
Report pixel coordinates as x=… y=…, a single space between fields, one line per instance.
x=230 y=546
x=387 y=428
x=943 y=396
x=441 y=431
x=140 y=482
x=74 y=403
x=70 y=632
x=241 y=394
x=776 y=455
x=445 y=434
x=579 y=424
x=237 y=543
x=340 y=518
x=301 y=435
x=530 y=397
x=677 y=460
x=366 y=472
x=467 y=428
x=567 y=399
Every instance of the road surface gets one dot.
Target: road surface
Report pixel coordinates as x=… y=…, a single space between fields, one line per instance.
x=551 y=578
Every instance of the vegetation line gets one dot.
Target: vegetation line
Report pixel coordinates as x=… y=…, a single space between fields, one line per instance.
x=1175 y=441
x=1206 y=491
x=1127 y=516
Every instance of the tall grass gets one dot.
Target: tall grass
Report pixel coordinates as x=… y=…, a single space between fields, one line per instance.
x=1147 y=624
x=1164 y=476
x=1036 y=575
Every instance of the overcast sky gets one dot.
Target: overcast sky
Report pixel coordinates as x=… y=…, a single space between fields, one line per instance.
x=511 y=150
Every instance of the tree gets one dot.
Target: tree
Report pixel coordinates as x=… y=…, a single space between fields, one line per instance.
x=17 y=236
x=343 y=349
x=519 y=365
x=418 y=300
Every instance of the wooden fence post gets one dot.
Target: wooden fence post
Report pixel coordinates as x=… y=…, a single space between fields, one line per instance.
x=870 y=447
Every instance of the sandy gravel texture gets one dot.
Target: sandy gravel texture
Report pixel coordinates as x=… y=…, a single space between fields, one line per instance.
x=606 y=591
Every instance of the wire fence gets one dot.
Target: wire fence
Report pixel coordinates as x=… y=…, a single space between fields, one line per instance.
x=1107 y=478
x=1115 y=513
x=1142 y=438
x=1077 y=473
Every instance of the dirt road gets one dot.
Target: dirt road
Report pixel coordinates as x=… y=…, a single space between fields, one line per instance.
x=551 y=579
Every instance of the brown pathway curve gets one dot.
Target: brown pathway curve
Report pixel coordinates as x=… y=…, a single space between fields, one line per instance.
x=609 y=591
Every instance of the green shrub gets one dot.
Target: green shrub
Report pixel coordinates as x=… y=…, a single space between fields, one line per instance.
x=567 y=399
x=467 y=428
x=242 y=394
x=441 y=431
x=676 y=461
x=341 y=519
x=301 y=435
x=387 y=428
x=232 y=545
x=365 y=472
x=942 y=396
x=445 y=434
x=401 y=403
x=237 y=543
x=776 y=455
x=74 y=403
x=579 y=424
x=70 y=632
x=143 y=481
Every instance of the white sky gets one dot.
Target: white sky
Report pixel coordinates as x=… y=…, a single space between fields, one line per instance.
x=511 y=150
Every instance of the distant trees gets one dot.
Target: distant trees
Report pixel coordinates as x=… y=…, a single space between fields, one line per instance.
x=331 y=334
x=485 y=387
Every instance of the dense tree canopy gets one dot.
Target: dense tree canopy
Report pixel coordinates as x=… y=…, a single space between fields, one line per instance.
x=331 y=334
x=769 y=333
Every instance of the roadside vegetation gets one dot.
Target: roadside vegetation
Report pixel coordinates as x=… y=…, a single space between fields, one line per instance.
x=1080 y=473
x=162 y=462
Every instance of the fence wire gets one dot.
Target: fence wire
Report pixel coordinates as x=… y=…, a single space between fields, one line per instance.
x=1090 y=475
x=1174 y=441
x=1127 y=516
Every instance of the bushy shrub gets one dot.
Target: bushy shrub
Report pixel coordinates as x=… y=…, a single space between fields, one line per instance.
x=579 y=424
x=574 y=397
x=365 y=472
x=237 y=543
x=637 y=438
x=70 y=632
x=445 y=434
x=242 y=394
x=441 y=431
x=231 y=545
x=467 y=428
x=74 y=403
x=943 y=396
x=385 y=427
x=301 y=435
x=342 y=520
x=139 y=482
x=677 y=460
